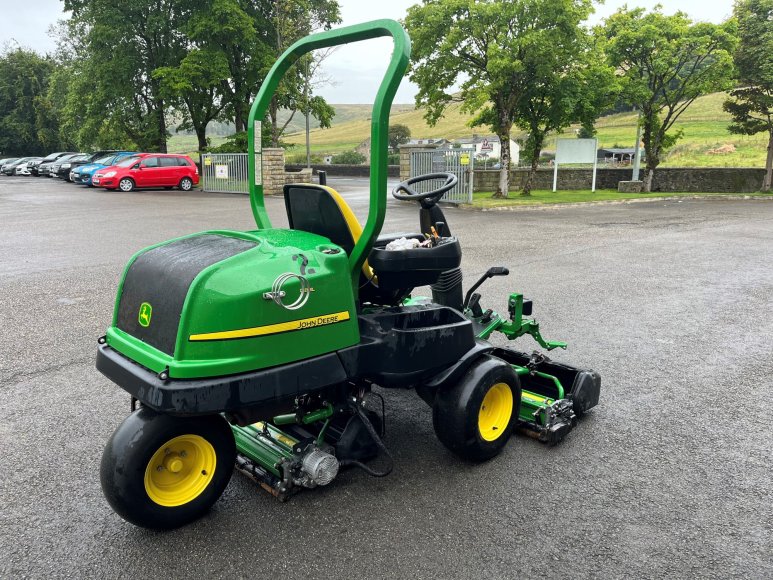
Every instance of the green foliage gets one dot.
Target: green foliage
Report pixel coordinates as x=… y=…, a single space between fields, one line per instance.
x=119 y=46
x=751 y=105
x=289 y=21
x=393 y=159
x=349 y=158
x=28 y=118
x=237 y=143
x=398 y=134
x=667 y=62
x=522 y=62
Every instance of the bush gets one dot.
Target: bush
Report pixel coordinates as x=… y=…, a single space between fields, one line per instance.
x=349 y=158
x=393 y=159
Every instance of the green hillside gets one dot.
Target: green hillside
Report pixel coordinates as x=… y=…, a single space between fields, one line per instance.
x=706 y=141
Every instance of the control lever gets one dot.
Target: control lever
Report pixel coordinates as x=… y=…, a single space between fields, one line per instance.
x=474 y=305
x=490 y=273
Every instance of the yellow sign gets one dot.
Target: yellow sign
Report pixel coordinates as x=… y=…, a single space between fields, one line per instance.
x=302 y=324
x=464 y=159
x=207 y=161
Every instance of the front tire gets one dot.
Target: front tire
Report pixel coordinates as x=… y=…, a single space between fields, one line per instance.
x=162 y=472
x=186 y=184
x=475 y=418
x=126 y=185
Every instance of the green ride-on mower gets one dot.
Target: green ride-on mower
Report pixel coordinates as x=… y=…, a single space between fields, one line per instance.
x=259 y=349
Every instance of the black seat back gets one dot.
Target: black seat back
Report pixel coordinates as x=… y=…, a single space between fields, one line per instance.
x=313 y=208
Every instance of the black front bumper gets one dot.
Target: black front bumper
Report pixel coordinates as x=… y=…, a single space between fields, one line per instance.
x=265 y=392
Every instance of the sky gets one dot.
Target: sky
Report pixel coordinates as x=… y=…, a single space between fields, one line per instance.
x=355 y=70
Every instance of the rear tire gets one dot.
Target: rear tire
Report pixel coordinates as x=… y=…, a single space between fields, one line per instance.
x=475 y=418
x=186 y=184
x=126 y=185
x=162 y=472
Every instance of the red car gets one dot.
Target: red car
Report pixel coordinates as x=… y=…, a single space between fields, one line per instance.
x=149 y=170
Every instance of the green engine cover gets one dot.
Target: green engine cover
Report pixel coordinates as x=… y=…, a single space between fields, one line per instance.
x=222 y=302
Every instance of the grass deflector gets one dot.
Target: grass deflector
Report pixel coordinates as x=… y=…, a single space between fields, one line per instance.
x=260 y=349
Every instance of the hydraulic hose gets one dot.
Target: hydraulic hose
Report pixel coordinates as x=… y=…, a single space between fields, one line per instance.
x=379 y=443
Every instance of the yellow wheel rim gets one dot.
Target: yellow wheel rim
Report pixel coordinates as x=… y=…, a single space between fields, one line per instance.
x=180 y=470
x=495 y=412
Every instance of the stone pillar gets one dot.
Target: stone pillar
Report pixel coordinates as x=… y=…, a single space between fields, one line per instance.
x=273 y=170
x=405 y=157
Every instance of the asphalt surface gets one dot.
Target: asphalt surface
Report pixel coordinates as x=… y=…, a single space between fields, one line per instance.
x=670 y=476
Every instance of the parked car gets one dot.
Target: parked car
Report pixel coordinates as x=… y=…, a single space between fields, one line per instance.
x=6 y=160
x=62 y=166
x=151 y=170
x=89 y=158
x=10 y=167
x=84 y=173
x=23 y=168
x=35 y=166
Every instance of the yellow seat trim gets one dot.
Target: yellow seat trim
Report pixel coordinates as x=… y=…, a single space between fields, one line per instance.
x=351 y=222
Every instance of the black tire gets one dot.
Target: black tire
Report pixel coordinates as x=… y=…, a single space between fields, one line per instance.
x=126 y=184
x=186 y=184
x=145 y=436
x=456 y=413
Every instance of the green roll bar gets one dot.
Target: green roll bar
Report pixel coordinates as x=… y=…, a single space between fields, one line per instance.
x=378 y=131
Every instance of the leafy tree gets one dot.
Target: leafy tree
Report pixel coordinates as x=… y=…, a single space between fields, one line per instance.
x=28 y=123
x=398 y=134
x=237 y=32
x=521 y=62
x=123 y=45
x=289 y=21
x=196 y=87
x=752 y=104
x=666 y=63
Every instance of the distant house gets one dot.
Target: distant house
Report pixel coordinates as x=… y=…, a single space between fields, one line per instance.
x=489 y=146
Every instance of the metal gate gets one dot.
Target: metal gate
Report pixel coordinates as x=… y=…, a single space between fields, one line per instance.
x=457 y=161
x=224 y=172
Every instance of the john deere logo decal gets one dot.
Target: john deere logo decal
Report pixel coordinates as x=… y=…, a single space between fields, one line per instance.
x=146 y=311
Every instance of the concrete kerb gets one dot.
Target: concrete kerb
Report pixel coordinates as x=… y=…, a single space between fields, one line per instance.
x=548 y=206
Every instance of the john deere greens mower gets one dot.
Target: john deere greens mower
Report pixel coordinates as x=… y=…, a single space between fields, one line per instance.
x=259 y=349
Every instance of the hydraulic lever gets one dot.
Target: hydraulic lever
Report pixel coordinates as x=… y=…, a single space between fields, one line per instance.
x=490 y=273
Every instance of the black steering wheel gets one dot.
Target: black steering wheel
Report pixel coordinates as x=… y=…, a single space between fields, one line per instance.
x=404 y=191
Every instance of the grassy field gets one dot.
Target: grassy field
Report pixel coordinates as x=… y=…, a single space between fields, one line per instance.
x=543 y=196
x=704 y=125
x=706 y=141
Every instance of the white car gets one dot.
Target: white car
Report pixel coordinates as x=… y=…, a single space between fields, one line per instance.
x=21 y=168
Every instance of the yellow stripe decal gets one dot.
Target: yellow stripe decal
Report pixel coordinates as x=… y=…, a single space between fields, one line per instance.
x=302 y=324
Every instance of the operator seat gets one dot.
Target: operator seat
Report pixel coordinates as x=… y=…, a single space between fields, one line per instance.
x=321 y=210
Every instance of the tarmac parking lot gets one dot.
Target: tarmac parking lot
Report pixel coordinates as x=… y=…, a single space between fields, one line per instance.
x=670 y=476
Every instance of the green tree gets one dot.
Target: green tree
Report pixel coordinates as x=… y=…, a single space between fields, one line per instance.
x=120 y=46
x=28 y=123
x=289 y=21
x=752 y=104
x=398 y=134
x=195 y=86
x=666 y=63
x=520 y=62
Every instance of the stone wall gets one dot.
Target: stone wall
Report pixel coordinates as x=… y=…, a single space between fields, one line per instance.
x=344 y=170
x=669 y=179
x=274 y=175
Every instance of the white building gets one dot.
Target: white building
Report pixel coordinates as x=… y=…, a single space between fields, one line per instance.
x=487 y=146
